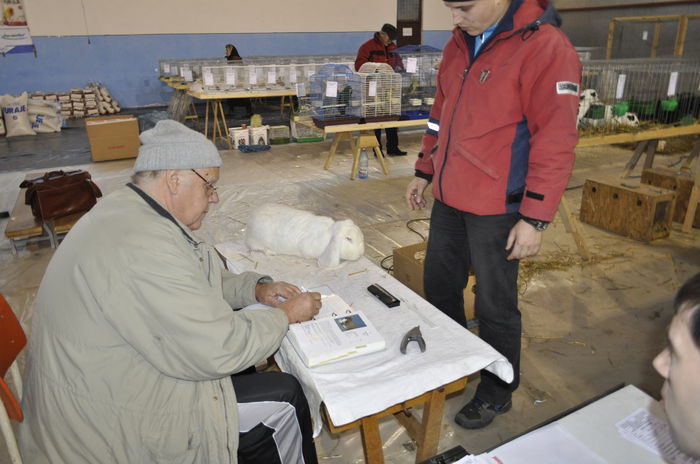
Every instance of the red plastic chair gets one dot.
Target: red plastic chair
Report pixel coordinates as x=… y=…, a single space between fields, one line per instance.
x=12 y=341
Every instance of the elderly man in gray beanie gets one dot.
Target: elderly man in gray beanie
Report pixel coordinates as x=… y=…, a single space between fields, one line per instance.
x=135 y=338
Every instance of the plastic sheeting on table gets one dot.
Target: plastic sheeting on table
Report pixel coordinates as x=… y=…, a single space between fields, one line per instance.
x=358 y=387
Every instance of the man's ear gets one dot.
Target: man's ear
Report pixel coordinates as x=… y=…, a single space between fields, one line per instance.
x=173 y=180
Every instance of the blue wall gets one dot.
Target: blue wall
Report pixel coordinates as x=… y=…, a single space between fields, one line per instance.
x=127 y=64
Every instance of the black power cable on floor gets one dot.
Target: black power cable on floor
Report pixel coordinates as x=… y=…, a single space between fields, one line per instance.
x=391 y=256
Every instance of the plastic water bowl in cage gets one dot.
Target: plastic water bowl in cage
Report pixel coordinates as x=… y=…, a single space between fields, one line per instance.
x=429 y=101
x=669 y=105
x=415 y=101
x=620 y=109
x=596 y=112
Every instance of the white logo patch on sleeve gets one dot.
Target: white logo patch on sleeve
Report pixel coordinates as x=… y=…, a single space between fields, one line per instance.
x=565 y=87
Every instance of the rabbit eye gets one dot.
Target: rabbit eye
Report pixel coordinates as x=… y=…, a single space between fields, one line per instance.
x=348 y=239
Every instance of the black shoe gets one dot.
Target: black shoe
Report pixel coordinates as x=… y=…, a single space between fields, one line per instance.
x=397 y=152
x=478 y=414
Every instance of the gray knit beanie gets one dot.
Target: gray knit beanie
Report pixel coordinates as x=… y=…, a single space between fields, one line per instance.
x=171 y=145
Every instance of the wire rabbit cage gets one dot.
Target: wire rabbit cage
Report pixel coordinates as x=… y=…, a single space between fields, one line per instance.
x=634 y=92
x=419 y=84
x=222 y=79
x=381 y=92
x=336 y=95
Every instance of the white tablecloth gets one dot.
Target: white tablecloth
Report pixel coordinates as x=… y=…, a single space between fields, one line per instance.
x=355 y=388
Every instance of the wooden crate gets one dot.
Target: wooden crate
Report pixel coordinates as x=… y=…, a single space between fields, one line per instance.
x=678 y=181
x=642 y=212
x=408 y=269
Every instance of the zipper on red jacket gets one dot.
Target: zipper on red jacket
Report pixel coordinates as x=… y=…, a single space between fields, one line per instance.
x=449 y=130
x=531 y=26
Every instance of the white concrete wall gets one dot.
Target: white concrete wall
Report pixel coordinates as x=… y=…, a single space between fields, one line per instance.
x=125 y=17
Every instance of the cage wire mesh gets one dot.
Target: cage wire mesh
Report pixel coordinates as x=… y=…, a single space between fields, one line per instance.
x=179 y=105
x=336 y=93
x=381 y=92
x=419 y=81
x=618 y=94
x=637 y=39
x=222 y=79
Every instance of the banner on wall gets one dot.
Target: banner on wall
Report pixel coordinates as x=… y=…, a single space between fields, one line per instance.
x=14 y=33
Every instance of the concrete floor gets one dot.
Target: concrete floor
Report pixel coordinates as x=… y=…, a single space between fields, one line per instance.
x=586 y=326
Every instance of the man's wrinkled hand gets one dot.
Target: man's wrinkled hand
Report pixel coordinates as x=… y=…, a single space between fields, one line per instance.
x=302 y=307
x=274 y=293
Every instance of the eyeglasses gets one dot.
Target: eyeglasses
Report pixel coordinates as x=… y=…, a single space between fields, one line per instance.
x=211 y=188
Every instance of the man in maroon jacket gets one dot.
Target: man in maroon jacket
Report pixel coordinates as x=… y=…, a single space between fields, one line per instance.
x=498 y=151
x=380 y=49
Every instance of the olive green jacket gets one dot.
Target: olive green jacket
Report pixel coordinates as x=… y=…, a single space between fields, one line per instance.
x=133 y=340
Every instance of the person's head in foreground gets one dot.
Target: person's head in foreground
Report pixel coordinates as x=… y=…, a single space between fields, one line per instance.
x=179 y=168
x=475 y=16
x=679 y=364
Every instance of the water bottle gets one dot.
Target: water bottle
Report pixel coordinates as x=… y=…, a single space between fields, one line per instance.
x=363 y=170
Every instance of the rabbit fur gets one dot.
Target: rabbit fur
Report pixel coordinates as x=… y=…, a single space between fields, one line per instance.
x=275 y=228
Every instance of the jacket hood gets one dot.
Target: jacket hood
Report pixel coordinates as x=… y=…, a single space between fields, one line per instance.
x=523 y=16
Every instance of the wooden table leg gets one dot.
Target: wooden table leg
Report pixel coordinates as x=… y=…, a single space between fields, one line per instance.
x=573 y=226
x=355 y=160
x=651 y=151
x=638 y=150
x=380 y=157
x=431 y=425
x=223 y=118
x=372 y=441
x=215 y=128
x=206 y=119
x=337 y=137
x=686 y=167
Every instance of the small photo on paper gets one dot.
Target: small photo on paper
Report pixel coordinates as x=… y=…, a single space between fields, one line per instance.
x=350 y=322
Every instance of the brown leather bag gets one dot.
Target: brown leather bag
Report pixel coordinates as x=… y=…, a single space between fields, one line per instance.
x=57 y=194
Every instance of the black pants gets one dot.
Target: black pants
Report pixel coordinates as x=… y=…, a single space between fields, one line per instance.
x=275 y=421
x=457 y=241
x=392 y=138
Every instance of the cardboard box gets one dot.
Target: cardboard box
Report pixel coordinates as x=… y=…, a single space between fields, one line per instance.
x=408 y=269
x=113 y=137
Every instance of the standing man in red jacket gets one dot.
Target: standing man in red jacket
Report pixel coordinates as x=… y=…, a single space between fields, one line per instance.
x=380 y=49
x=498 y=151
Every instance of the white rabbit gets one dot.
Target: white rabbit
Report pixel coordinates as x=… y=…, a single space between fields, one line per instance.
x=275 y=228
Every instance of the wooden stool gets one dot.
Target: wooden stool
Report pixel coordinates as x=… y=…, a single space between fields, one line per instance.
x=286 y=101
x=367 y=139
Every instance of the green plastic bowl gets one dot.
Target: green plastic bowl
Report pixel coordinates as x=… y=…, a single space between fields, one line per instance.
x=669 y=105
x=620 y=109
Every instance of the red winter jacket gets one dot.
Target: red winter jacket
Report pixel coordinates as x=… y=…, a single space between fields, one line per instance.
x=502 y=130
x=374 y=51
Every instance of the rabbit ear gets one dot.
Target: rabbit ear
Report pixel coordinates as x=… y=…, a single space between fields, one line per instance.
x=331 y=255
